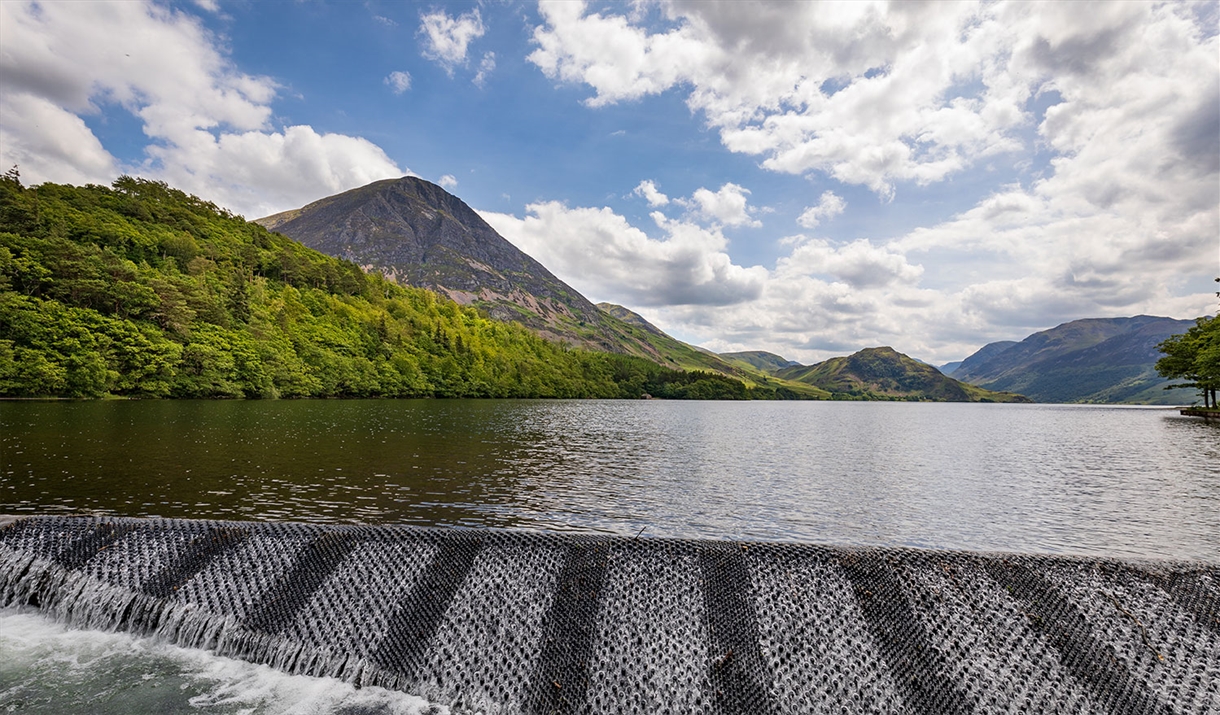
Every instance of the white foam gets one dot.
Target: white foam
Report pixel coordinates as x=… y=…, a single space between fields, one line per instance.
x=48 y=667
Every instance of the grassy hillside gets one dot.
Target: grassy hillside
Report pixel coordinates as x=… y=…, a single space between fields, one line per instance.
x=646 y=340
x=885 y=374
x=142 y=290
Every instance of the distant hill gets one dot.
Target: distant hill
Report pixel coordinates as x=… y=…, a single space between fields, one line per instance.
x=646 y=340
x=885 y=374
x=769 y=363
x=982 y=355
x=949 y=368
x=416 y=233
x=1096 y=360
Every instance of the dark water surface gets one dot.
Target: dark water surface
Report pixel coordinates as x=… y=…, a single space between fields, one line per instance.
x=1066 y=479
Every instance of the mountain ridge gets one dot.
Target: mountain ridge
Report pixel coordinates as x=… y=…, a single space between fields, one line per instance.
x=417 y=233
x=1094 y=360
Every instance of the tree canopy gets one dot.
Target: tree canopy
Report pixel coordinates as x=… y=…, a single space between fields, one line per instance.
x=139 y=289
x=1194 y=356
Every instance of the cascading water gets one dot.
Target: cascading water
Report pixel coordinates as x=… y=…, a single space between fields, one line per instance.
x=527 y=622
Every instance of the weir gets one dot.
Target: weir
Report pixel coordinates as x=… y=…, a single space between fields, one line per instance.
x=500 y=621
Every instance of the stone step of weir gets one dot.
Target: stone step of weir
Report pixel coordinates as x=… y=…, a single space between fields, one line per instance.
x=501 y=621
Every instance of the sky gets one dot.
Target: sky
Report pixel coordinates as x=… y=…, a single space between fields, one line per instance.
x=805 y=178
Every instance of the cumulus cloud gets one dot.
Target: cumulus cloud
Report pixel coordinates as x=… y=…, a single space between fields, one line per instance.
x=829 y=206
x=727 y=207
x=447 y=39
x=650 y=193
x=260 y=172
x=868 y=93
x=207 y=121
x=603 y=256
x=1121 y=219
x=814 y=299
x=51 y=144
x=448 y=181
x=860 y=264
x=398 y=81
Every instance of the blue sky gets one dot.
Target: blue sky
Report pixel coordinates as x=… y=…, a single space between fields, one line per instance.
x=809 y=179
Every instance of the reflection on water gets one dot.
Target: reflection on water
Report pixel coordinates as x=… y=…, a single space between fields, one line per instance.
x=1075 y=479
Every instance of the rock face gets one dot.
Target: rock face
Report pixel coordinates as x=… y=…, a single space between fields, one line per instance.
x=418 y=234
x=884 y=373
x=1102 y=360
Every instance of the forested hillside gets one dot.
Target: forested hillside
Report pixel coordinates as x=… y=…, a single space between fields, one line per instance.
x=142 y=290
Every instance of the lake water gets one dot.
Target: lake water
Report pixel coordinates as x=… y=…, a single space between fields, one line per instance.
x=1041 y=478
x=1032 y=478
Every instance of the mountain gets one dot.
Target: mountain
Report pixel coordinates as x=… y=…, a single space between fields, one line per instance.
x=141 y=290
x=982 y=355
x=883 y=373
x=631 y=317
x=949 y=368
x=1096 y=360
x=769 y=363
x=416 y=233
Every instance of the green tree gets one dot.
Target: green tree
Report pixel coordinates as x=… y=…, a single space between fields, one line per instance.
x=1194 y=356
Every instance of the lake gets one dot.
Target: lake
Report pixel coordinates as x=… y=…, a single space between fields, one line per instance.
x=1033 y=478
x=1113 y=481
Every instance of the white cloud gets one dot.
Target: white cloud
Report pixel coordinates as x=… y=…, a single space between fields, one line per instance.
x=868 y=93
x=1122 y=218
x=617 y=59
x=208 y=122
x=859 y=263
x=606 y=258
x=650 y=193
x=858 y=294
x=447 y=39
x=486 y=66
x=259 y=172
x=726 y=207
x=50 y=144
x=398 y=81
x=448 y=181
x=829 y=206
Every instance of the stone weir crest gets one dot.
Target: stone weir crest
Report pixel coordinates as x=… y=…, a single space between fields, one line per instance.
x=524 y=622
